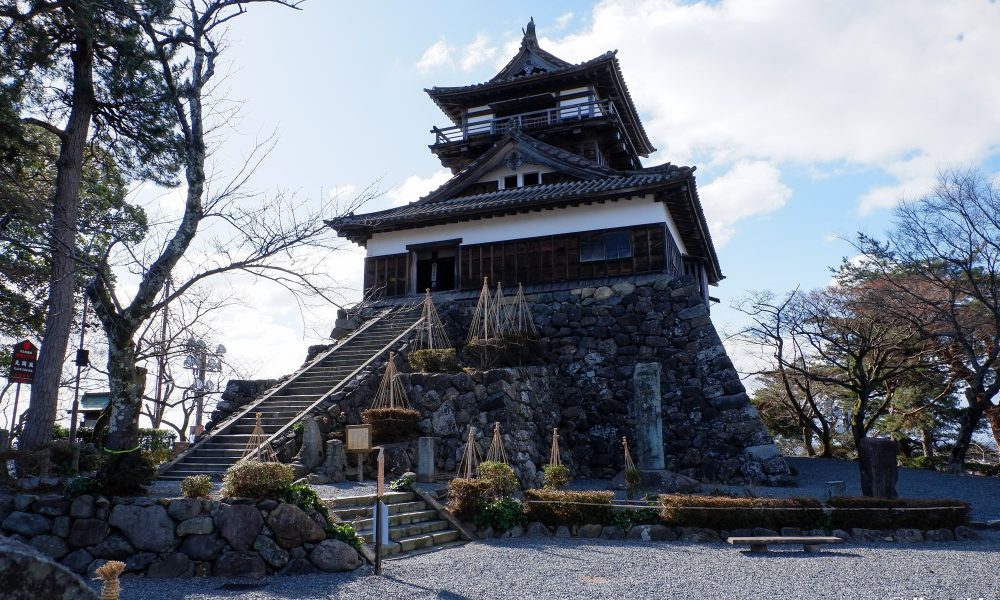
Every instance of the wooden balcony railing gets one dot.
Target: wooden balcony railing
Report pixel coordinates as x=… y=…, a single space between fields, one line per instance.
x=528 y=120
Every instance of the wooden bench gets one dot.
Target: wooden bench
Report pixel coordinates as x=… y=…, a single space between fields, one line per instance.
x=809 y=543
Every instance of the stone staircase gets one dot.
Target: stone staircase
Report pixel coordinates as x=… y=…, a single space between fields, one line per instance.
x=281 y=407
x=414 y=527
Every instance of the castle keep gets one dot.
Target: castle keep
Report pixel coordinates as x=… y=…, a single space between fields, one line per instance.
x=616 y=261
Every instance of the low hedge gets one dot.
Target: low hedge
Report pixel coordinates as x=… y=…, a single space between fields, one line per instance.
x=465 y=496
x=558 y=507
x=880 y=513
x=743 y=513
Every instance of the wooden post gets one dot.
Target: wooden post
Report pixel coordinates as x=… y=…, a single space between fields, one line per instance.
x=377 y=526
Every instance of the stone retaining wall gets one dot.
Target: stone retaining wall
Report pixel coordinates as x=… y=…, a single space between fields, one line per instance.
x=178 y=537
x=662 y=533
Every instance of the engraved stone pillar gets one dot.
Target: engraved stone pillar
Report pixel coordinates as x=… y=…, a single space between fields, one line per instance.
x=878 y=467
x=647 y=407
x=425 y=460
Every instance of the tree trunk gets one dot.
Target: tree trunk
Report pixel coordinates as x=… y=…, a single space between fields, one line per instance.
x=968 y=424
x=927 y=441
x=807 y=440
x=65 y=210
x=993 y=416
x=128 y=382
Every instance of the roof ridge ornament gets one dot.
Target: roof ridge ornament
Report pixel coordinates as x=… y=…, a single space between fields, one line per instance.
x=529 y=40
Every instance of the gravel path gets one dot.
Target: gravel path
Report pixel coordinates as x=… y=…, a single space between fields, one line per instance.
x=575 y=568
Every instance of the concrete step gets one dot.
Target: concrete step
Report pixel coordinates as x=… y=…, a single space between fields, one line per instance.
x=369 y=499
x=402 y=518
x=364 y=512
x=401 y=532
x=418 y=543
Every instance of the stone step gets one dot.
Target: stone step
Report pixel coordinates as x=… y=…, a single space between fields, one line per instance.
x=418 y=543
x=219 y=452
x=401 y=532
x=249 y=427
x=364 y=512
x=402 y=518
x=369 y=499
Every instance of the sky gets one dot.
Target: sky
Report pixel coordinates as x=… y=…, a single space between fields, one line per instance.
x=807 y=120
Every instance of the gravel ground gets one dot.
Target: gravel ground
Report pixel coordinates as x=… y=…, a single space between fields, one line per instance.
x=575 y=568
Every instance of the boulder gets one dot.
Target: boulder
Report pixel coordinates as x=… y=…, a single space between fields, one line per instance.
x=27 y=574
x=563 y=531
x=82 y=507
x=270 y=552
x=27 y=524
x=908 y=536
x=240 y=564
x=239 y=525
x=443 y=421
x=174 y=564
x=698 y=534
x=50 y=545
x=966 y=533
x=869 y=535
x=60 y=526
x=293 y=527
x=139 y=562
x=115 y=547
x=939 y=535
x=87 y=532
x=612 y=532
x=537 y=529
x=195 y=526
x=145 y=527
x=662 y=533
x=590 y=531
x=182 y=509
x=77 y=560
x=639 y=532
x=334 y=555
x=299 y=566
x=202 y=547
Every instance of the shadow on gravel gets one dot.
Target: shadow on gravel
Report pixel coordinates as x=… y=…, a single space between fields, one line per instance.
x=444 y=594
x=799 y=554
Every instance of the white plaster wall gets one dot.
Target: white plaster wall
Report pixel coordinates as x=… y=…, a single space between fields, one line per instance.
x=640 y=210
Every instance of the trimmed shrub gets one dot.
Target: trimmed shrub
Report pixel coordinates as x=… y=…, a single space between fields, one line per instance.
x=508 y=351
x=124 y=474
x=78 y=486
x=404 y=483
x=556 y=476
x=500 y=514
x=391 y=424
x=555 y=507
x=196 y=486
x=465 y=496
x=434 y=361
x=745 y=513
x=625 y=518
x=848 y=512
x=253 y=479
x=344 y=532
x=500 y=477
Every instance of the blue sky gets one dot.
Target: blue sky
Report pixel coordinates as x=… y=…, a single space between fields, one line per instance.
x=807 y=120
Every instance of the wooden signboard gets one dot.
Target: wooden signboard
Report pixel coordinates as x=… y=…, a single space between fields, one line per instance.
x=22 y=364
x=359 y=438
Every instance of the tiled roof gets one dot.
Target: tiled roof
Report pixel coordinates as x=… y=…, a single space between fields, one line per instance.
x=514 y=198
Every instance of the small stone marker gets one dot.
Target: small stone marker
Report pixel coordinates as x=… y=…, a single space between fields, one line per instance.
x=647 y=407
x=311 y=454
x=878 y=467
x=835 y=488
x=425 y=460
x=335 y=466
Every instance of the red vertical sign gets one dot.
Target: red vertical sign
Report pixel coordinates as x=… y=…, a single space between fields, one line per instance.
x=22 y=363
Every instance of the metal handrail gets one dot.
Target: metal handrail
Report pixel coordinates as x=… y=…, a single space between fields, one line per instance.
x=343 y=382
x=252 y=405
x=527 y=120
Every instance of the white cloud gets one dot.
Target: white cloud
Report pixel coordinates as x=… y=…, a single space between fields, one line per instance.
x=890 y=85
x=437 y=55
x=478 y=52
x=415 y=186
x=748 y=189
x=562 y=21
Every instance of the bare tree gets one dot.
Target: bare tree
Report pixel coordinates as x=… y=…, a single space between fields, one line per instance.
x=281 y=240
x=942 y=260
x=773 y=329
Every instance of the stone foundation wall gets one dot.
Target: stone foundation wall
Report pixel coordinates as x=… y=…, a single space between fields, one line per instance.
x=178 y=537
x=593 y=338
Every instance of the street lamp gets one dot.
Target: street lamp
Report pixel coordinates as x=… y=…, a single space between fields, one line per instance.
x=201 y=361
